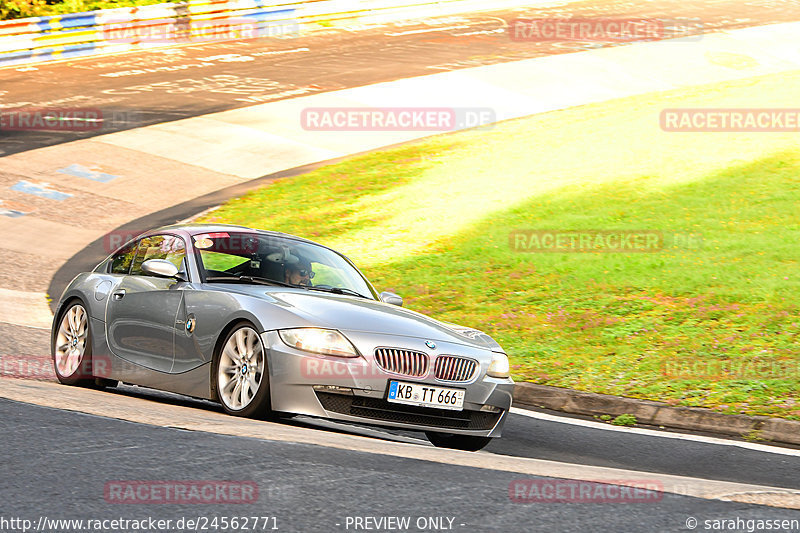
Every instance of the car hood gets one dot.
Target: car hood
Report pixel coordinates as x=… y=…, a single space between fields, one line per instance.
x=351 y=313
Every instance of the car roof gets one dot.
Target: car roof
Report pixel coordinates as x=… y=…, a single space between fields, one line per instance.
x=196 y=228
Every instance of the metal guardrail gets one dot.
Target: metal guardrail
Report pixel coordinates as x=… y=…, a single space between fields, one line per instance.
x=38 y=39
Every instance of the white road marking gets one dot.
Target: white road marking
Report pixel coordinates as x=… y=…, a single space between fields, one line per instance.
x=654 y=433
x=27 y=309
x=481 y=32
x=103 y=449
x=424 y=30
x=279 y=52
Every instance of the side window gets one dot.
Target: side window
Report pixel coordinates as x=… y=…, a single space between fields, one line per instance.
x=121 y=262
x=159 y=247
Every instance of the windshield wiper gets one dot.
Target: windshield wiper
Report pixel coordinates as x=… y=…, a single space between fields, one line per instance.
x=338 y=290
x=249 y=279
x=267 y=281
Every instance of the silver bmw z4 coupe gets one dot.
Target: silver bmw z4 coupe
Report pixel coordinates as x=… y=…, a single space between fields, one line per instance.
x=268 y=324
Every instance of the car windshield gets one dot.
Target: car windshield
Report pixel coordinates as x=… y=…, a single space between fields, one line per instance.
x=242 y=256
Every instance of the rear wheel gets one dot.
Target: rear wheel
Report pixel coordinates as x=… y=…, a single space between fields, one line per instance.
x=241 y=374
x=72 y=347
x=457 y=442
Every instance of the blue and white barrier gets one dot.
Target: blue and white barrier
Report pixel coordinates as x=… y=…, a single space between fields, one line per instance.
x=38 y=39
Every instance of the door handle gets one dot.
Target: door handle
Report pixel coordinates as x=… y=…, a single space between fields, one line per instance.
x=118 y=295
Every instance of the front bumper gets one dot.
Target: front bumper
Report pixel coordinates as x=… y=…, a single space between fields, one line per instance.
x=355 y=389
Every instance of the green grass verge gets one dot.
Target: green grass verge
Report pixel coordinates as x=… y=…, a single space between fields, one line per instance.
x=715 y=327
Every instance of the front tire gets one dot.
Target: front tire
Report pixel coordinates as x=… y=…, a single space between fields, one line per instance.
x=241 y=374
x=467 y=443
x=71 y=347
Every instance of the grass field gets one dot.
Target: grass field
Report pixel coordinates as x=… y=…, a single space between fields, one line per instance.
x=711 y=324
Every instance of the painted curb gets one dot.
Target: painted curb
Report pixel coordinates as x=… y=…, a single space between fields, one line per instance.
x=657 y=413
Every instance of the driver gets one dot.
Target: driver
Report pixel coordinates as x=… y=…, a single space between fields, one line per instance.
x=299 y=273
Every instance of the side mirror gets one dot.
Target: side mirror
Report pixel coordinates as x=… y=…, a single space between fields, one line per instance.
x=160 y=268
x=391 y=298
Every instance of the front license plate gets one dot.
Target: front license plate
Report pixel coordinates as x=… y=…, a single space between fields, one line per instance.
x=426 y=395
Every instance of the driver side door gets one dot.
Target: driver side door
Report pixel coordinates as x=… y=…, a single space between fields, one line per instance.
x=143 y=309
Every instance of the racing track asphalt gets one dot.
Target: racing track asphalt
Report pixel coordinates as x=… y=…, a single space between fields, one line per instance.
x=57 y=464
x=356 y=60
x=144 y=88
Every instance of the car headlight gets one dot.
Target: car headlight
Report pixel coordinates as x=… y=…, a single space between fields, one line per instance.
x=321 y=341
x=499 y=368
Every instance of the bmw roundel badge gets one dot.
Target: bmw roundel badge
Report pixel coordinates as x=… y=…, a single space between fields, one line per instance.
x=430 y=345
x=190 y=324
